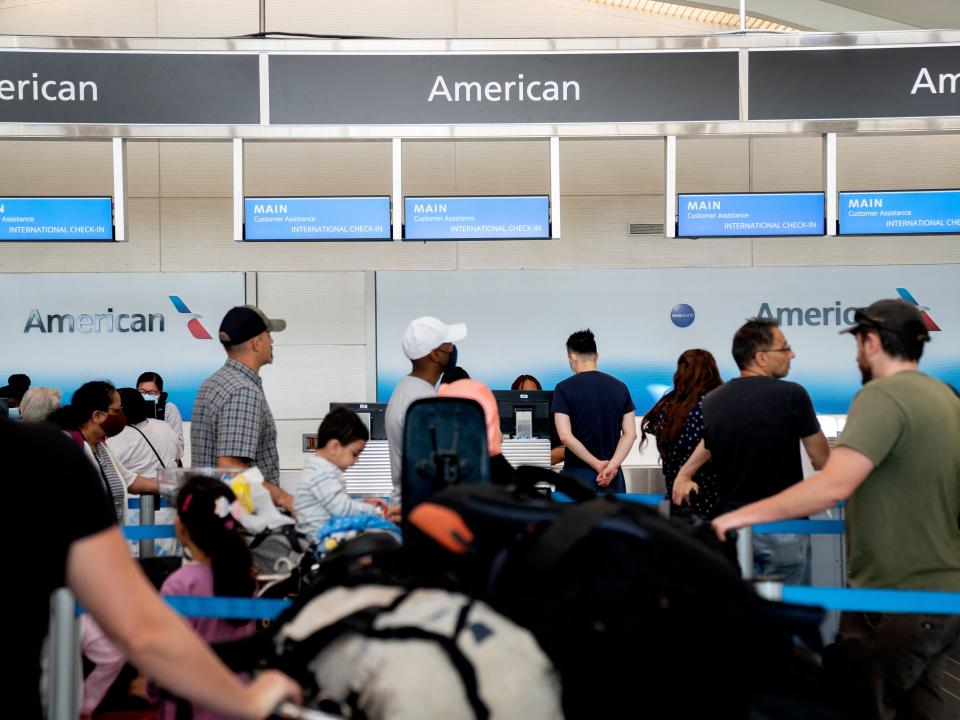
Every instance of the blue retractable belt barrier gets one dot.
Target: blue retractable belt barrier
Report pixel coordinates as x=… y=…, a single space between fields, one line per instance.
x=871 y=600
x=227 y=608
x=803 y=527
x=149 y=532
x=133 y=503
x=640 y=498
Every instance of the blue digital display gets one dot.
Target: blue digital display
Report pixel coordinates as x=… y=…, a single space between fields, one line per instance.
x=73 y=218
x=913 y=212
x=476 y=218
x=750 y=214
x=317 y=218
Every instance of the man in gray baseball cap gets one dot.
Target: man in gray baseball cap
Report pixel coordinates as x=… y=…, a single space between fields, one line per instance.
x=232 y=425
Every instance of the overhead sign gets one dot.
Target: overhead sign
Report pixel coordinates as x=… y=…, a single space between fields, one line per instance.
x=65 y=329
x=750 y=214
x=914 y=212
x=476 y=218
x=445 y=88
x=317 y=218
x=108 y=87
x=45 y=218
x=532 y=312
x=828 y=84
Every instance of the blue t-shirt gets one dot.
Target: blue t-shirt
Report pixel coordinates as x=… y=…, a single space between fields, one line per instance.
x=596 y=403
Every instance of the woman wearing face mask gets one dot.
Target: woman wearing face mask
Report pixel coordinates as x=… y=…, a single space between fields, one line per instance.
x=94 y=414
x=150 y=386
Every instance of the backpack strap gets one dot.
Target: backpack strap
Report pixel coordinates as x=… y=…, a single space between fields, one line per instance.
x=361 y=623
x=569 y=529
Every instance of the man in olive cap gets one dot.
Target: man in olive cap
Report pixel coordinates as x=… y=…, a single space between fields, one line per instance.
x=232 y=425
x=898 y=462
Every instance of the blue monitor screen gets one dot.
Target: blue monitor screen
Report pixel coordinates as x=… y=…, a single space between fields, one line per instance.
x=750 y=214
x=317 y=218
x=61 y=218
x=476 y=218
x=913 y=212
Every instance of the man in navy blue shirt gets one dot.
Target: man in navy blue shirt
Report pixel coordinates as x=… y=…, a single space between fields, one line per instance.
x=595 y=420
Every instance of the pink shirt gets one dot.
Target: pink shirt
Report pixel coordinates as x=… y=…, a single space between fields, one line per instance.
x=197 y=579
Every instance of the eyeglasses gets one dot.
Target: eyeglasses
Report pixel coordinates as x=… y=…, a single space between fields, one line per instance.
x=152 y=393
x=784 y=349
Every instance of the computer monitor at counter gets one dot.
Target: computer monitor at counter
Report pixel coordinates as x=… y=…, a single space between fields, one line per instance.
x=525 y=413
x=372 y=414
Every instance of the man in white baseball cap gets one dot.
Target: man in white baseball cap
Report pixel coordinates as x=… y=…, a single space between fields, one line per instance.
x=429 y=345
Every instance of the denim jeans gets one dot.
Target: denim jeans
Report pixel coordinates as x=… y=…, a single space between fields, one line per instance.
x=785 y=558
x=588 y=477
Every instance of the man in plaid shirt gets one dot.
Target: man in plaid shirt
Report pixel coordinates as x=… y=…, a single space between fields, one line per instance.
x=232 y=425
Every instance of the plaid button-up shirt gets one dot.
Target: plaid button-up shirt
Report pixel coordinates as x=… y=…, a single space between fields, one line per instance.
x=231 y=418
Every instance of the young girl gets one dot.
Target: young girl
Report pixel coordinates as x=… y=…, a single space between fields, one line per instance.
x=220 y=564
x=322 y=493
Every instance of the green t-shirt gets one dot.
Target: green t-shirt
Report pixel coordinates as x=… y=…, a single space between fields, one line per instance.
x=903 y=522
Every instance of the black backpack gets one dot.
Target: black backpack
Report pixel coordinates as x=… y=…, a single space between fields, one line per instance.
x=636 y=611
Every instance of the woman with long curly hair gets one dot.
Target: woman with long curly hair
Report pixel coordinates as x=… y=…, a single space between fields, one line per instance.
x=676 y=421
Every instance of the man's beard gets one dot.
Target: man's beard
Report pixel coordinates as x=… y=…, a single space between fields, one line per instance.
x=866 y=372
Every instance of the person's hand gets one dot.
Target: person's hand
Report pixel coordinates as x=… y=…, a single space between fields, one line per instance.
x=682 y=487
x=378 y=503
x=723 y=524
x=267 y=691
x=285 y=501
x=599 y=467
x=607 y=475
x=394 y=514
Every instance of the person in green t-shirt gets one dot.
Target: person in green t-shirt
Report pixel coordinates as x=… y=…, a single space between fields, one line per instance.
x=898 y=462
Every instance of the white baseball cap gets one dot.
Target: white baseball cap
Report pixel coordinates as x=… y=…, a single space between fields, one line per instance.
x=426 y=334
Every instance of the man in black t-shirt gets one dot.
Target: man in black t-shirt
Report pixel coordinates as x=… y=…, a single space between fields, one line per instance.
x=594 y=417
x=67 y=524
x=752 y=430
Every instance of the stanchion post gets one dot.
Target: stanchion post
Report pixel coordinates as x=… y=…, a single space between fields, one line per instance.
x=745 y=552
x=64 y=666
x=148 y=547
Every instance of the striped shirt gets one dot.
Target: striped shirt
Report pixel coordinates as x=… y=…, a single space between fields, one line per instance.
x=322 y=495
x=231 y=418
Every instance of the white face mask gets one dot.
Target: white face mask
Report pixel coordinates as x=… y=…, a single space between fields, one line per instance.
x=149 y=398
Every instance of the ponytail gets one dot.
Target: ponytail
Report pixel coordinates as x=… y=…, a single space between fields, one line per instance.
x=204 y=508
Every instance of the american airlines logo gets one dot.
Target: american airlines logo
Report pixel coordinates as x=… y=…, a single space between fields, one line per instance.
x=111 y=322
x=837 y=314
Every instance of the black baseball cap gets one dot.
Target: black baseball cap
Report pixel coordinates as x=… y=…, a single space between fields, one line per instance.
x=244 y=322
x=893 y=316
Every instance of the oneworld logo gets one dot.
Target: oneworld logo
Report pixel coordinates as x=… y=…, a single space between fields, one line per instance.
x=111 y=322
x=682 y=315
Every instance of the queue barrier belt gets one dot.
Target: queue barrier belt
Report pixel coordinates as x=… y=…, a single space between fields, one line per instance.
x=845 y=599
x=802 y=527
x=874 y=600
x=149 y=532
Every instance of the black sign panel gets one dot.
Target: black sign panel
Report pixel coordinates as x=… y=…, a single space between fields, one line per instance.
x=535 y=88
x=855 y=83
x=129 y=88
